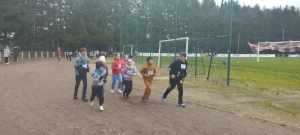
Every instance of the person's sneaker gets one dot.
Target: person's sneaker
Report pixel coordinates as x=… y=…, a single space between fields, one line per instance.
x=163 y=99
x=84 y=99
x=75 y=97
x=127 y=96
x=91 y=103
x=146 y=100
x=120 y=91
x=101 y=108
x=181 y=105
x=112 y=91
x=123 y=94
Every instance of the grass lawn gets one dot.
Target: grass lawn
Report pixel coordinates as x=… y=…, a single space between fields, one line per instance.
x=268 y=74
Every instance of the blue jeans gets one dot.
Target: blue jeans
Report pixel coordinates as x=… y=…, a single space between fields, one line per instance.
x=84 y=81
x=114 y=78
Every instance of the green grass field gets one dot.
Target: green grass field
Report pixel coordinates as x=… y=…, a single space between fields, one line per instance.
x=268 y=74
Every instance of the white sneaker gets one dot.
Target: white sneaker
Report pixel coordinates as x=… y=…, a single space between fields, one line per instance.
x=120 y=91
x=91 y=103
x=101 y=108
x=112 y=91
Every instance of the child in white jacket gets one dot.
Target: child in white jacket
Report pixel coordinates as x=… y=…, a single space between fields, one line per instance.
x=6 y=54
x=97 y=87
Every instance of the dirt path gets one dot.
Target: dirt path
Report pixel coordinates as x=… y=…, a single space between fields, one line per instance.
x=37 y=98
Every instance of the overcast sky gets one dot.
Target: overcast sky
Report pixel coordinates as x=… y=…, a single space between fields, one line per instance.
x=267 y=3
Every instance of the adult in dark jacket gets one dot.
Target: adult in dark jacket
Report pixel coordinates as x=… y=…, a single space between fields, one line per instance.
x=177 y=71
x=16 y=52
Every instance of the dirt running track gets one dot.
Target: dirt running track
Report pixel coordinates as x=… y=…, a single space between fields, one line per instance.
x=37 y=98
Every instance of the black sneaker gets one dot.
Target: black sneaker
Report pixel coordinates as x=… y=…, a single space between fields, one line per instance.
x=84 y=99
x=127 y=96
x=75 y=97
x=123 y=95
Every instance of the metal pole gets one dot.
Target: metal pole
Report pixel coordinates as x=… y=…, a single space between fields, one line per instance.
x=121 y=49
x=176 y=29
x=229 y=46
x=213 y=47
x=151 y=27
x=238 y=49
x=196 y=57
x=282 y=48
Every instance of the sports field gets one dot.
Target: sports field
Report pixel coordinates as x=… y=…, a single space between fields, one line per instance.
x=268 y=74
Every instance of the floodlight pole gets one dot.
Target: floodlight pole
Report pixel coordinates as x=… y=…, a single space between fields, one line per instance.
x=151 y=27
x=229 y=46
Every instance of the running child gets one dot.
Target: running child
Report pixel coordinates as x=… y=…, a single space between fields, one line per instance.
x=116 y=74
x=127 y=74
x=97 y=87
x=177 y=72
x=148 y=72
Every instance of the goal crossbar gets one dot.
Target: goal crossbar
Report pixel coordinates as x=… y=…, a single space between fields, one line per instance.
x=186 y=46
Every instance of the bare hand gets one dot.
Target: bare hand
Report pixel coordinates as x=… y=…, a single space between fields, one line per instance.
x=173 y=76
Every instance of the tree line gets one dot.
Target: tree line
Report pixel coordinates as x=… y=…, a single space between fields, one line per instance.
x=70 y=24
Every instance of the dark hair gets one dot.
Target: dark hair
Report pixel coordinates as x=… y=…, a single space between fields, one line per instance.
x=182 y=54
x=116 y=54
x=149 y=58
x=131 y=56
x=83 y=49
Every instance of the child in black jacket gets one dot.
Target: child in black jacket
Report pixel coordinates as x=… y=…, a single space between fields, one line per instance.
x=177 y=71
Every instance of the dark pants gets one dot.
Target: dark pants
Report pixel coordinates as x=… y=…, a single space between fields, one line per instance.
x=84 y=80
x=70 y=57
x=128 y=87
x=123 y=83
x=6 y=59
x=15 y=59
x=173 y=83
x=97 y=90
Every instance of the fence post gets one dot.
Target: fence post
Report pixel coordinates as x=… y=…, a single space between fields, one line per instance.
x=35 y=54
x=0 y=56
x=53 y=54
x=47 y=54
x=28 y=54
x=42 y=55
x=22 y=55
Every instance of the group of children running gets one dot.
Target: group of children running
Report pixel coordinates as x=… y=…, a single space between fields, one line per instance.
x=123 y=71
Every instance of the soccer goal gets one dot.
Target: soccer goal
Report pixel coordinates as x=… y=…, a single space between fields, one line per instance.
x=167 y=48
x=127 y=49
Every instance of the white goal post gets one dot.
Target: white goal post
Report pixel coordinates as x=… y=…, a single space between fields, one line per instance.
x=131 y=47
x=186 y=47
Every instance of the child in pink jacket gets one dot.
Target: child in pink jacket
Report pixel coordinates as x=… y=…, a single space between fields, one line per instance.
x=127 y=75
